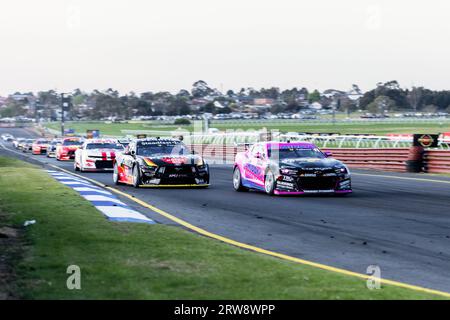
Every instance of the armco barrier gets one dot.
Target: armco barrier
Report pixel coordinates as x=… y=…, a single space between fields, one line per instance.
x=383 y=159
x=437 y=161
x=392 y=159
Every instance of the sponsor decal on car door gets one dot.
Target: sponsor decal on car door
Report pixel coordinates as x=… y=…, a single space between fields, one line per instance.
x=254 y=168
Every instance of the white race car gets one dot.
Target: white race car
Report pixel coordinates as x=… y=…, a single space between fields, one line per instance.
x=97 y=155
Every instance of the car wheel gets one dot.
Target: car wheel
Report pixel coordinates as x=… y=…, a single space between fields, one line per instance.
x=81 y=165
x=237 y=180
x=269 y=183
x=75 y=166
x=116 y=174
x=136 y=176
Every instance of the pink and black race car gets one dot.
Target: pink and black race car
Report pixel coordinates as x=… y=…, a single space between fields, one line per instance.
x=97 y=155
x=290 y=168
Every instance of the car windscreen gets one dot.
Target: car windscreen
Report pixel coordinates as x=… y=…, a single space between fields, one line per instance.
x=105 y=145
x=42 y=142
x=297 y=152
x=71 y=143
x=148 y=149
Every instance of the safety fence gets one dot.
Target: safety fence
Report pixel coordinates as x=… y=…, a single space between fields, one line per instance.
x=386 y=159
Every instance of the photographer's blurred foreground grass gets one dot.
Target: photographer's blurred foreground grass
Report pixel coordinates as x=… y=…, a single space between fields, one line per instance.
x=140 y=261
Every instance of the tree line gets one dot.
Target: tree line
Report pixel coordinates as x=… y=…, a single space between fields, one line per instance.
x=388 y=96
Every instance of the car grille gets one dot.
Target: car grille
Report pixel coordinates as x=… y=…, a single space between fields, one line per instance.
x=178 y=175
x=104 y=164
x=317 y=183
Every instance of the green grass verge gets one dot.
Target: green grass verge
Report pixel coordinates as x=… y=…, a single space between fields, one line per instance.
x=113 y=129
x=140 y=261
x=343 y=128
x=347 y=128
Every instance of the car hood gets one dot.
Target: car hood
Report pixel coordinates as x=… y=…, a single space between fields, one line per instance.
x=101 y=152
x=171 y=160
x=310 y=163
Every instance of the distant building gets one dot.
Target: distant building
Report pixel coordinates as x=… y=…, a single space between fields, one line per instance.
x=263 y=101
x=254 y=107
x=21 y=97
x=199 y=102
x=315 y=106
x=354 y=94
x=330 y=93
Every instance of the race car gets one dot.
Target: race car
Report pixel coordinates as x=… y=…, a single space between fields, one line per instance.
x=285 y=168
x=66 y=150
x=124 y=142
x=51 y=150
x=39 y=146
x=17 y=142
x=26 y=145
x=7 y=137
x=159 y=162
x=97 y=155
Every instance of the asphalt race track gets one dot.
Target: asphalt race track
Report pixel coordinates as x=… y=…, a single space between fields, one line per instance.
x=400 y=224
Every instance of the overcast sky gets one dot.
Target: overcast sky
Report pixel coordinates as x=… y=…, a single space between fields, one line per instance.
x=168 y=44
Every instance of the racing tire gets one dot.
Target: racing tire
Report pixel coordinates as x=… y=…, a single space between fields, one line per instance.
x=116 y=175
x=75 y=167
x=269 y=183
x=237 y=181
x=136 y=176
x=81 y=165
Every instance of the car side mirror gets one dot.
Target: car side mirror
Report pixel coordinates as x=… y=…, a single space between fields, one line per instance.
x=328 y=154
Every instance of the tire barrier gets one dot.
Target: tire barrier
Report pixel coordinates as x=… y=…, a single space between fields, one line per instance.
x=392 y=159
x=413 y=159
x=437 y=161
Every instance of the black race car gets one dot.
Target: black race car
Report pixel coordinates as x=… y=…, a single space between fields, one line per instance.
x=160 y=162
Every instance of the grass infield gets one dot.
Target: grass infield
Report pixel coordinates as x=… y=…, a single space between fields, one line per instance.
x=376 y=128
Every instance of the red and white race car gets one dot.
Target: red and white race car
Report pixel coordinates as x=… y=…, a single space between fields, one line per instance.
x=97 y=155
x=40 y=146
x=66 y=150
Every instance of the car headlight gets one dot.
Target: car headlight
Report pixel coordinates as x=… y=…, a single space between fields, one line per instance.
x=201 y=163
x=342 y=169
x=148 y=163
x=288 y=172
